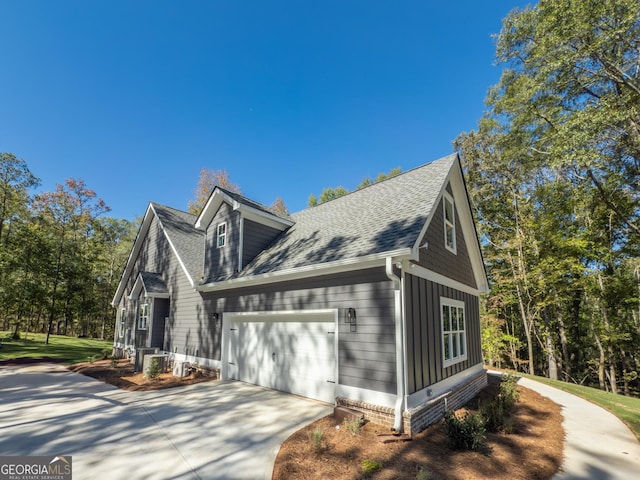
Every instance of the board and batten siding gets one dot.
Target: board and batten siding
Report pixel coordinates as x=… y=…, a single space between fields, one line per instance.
x=366 y=357
x=256 y=238
x=437 y=258
x=424 y=332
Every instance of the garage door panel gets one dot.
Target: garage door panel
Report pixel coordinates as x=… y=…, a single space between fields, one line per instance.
x=292 y=354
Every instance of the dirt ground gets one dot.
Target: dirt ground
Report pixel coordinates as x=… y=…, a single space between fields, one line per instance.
x=124 y=377
x=532 y=451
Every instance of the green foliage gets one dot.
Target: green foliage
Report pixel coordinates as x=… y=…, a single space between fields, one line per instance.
x=370 y=466
x=333 y=193
x=317 y=440
x=553 y=176
x=114 y=362
x=354 y=424
x=625 y=408
x=464 y=433
x=509 y=393
x=154 y=370
x=495 y=411
x=67 y=350
x=425 y=474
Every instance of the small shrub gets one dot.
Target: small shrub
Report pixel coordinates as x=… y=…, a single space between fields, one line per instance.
x=509 y=391
x=466 y=433
x=493 y=413
x=106 y=352
x=370 y=466
x=425 y=474
x=154 y=370
x=354 y=425
x=317 y=440
x=114 y=362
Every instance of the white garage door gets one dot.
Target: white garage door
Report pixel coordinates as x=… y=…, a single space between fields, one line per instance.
x=292 y=352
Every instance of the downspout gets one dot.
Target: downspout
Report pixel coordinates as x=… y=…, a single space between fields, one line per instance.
x=397 y=424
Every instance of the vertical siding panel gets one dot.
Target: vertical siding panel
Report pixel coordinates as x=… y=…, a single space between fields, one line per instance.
x=417 y=337
x=424 y=332
x=410 y=325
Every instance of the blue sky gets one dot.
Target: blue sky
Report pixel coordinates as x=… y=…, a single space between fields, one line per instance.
x=135 y=97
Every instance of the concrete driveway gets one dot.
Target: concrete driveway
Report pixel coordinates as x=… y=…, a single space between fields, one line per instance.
x=211 y=430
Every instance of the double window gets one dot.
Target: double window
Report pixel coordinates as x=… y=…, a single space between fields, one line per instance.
x=449 y=223
x=143 y=316
x=454 y=338
x=222 y=235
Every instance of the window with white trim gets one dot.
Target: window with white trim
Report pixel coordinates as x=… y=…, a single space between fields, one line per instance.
x=222 y=235
x=123 y=313
x=143 y=316
x=454 y=337
x=449 y=222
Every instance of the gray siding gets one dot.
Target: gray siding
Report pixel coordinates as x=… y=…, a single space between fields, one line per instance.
x=366 y=357
x=256 y=238
x=437 y=258
x=424 y=332
x=185 y=305
x=160 y=312
x=220 y=263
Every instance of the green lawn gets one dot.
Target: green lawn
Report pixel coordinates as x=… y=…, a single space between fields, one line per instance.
x=626 y=409
x=68 y=350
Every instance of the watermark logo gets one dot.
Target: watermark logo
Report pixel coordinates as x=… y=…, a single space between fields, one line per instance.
x=35 y=468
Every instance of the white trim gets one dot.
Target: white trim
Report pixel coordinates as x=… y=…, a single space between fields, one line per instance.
x=240 y=242
x=215 y=201
x=222 y=235
x=366 y=395
x=457 y=304
x=281 y=313
x=262 y=217
x=266 y=315
x=433 y=391
x=339 y=266
x=175 y=251
x=427 y=274
x=446 y=197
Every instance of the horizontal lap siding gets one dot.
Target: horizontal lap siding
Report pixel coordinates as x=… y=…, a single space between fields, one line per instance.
x=256 y=238
x=424 y=342
x=366 y=357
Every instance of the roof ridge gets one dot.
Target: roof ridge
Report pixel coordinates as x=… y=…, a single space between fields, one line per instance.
x=156 y=204
x=376 y=184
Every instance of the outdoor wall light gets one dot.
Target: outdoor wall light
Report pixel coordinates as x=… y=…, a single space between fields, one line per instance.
x=350 y=318
x=215 y=317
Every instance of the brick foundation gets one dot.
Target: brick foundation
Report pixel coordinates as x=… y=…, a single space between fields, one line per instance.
x=419 y=418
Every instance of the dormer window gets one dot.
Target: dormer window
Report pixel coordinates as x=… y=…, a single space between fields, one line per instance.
x=449 y=223
x=222 y=235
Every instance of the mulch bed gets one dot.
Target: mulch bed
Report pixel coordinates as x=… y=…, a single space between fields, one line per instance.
x=123 y=376
x=532 y=451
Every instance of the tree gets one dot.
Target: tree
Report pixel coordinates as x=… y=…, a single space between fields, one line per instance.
x=333 y=193
x=553 y=173
x=15 y=181
x=209 y=179
x=279 y=207
x=69 y=215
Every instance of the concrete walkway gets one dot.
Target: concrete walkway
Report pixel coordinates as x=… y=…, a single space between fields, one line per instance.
x=215 y=429
x=598 y=446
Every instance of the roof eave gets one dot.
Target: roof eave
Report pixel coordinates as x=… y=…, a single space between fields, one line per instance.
x=339 y=266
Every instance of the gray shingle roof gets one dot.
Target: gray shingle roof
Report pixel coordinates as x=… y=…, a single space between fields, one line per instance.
x=153 y=283
x=187 y=240
x=250 y=203
x=383 y=217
